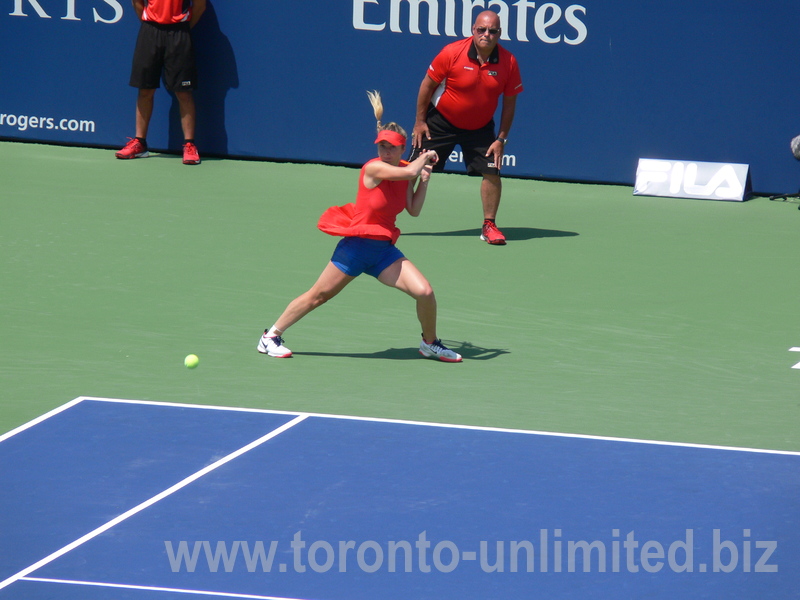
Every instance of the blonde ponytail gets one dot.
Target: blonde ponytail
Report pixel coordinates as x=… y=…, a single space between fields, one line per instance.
x=377 y=105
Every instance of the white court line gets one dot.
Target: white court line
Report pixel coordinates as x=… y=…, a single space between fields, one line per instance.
x=449 y=426
x=148 y=588
x=39 y=419
x=147 y=503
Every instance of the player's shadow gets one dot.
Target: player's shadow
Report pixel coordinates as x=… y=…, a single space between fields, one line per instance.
x=466 y=349
x=513 y=234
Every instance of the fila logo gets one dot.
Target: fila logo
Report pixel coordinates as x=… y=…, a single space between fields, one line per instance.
x=678 y=179
x=493 y=73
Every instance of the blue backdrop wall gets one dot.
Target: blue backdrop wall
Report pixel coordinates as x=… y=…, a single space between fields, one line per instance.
x=606 y=82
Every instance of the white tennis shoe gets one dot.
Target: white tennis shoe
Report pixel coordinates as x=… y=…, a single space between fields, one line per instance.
x=438 y=351
x=273 y=346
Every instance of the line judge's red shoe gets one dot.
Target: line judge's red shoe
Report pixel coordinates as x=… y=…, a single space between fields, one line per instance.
x=491 y=234
x=190 y=154
x=133 y=149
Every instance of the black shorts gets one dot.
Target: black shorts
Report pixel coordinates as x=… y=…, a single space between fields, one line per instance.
x=473 y=142
x=164 y=50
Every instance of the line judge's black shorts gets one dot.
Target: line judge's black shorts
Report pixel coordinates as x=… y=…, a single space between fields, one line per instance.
x=473 y=142
x=164 y=50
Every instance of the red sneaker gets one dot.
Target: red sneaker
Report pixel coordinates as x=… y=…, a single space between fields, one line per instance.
x=190 y=154
x=491 y=234
x=133 y=149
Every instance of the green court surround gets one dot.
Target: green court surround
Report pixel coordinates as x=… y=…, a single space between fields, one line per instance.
x=605 y=314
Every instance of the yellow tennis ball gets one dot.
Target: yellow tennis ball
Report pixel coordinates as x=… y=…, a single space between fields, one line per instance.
x=191 y=361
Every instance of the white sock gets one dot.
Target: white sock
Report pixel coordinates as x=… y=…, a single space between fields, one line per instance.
x=272 y=332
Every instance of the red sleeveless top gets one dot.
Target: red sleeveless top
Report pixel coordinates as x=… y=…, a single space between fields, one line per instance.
x=372 y=215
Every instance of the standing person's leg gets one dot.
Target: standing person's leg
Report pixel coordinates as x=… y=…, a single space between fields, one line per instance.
x=137 y=146
x=404 y=276
x=180 y=77
x=491 y=189
x=443 y=140
x=188 y=113
x=480 y=161
x=144 y=110
x=145 y=76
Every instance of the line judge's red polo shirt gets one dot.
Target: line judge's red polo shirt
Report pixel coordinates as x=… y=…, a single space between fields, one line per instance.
x=167 y=12
x=468 y=92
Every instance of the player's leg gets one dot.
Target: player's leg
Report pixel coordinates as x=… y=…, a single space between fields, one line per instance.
x=404 y=276
x=329 y=284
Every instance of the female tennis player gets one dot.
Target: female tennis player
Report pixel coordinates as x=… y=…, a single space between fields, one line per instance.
x=386 y=187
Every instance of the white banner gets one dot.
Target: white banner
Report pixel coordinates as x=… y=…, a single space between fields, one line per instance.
x=682 y=179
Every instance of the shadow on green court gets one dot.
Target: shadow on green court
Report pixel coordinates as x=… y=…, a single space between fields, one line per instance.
x=515 y=234
x=466 y=349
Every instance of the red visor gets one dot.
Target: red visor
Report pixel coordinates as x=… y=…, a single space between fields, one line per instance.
x=394 y=138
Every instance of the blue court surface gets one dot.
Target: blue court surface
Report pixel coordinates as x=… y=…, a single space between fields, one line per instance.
x=114 y=499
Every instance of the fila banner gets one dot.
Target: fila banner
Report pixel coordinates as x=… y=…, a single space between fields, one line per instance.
x=702 y=180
